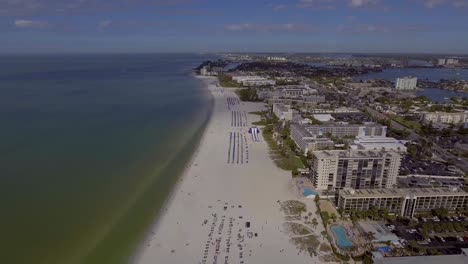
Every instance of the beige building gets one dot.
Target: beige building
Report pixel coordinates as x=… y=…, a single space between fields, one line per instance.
x=340 y=169
x=283 y=112
x=406 y=83
x=342 y=130
x=404 y=202
x=444 y=118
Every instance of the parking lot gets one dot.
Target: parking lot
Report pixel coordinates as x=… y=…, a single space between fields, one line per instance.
x=421 y=167
x=443 y=242
x=411 y=182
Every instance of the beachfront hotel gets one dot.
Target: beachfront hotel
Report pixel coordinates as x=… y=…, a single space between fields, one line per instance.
x=404 y=202
x=367 y=169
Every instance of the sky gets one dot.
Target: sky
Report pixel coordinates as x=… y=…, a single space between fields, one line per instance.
x=84 y=26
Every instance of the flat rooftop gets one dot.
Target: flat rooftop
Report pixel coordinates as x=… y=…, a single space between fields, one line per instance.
x=342 y=124
x=370 y=193
x=326 y=154
x=452 y=259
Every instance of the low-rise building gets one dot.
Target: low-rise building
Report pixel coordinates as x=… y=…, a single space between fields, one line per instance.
x=404 y=202
x=343 y=130
x=437 y=118
x=315 y=98
x=276 y=58
x=253 y=80
x=406 y=83
x=379 y=143
x=340 y=169
x=323 y=117
x=307 y=142
x=283 y=112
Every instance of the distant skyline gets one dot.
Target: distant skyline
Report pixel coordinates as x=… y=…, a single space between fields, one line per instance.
x=374 y=26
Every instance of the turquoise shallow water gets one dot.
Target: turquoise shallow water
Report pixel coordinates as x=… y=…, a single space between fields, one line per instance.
x=90 y=147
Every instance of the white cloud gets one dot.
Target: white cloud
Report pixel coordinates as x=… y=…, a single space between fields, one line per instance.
x=433 y=3
x=460 y=3
x=104 y=24
x=279 y=7
x=317 y=4
x=289 y=27
x=371 y=28
x=362 y=3
x=34 y=24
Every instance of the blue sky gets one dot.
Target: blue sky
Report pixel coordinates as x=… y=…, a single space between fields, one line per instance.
x=47 y=26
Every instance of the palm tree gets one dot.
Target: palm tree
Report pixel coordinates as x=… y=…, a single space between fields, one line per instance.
x=315 y=222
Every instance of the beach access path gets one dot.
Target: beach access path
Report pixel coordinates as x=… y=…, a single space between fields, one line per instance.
x=225 y=206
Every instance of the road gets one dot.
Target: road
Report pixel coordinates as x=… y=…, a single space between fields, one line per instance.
x=462 y=164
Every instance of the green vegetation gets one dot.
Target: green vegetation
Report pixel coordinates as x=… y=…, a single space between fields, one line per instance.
x=412 y=150
x=373 y=213
x=306 y=243
x=247 y=94
x=226 y=81
x=428 y=228
x=441 y=108
x=292 y=207
x=366 y=258
x=282 y=147
x=287 y=82
x=408 y=123
x=325 y=248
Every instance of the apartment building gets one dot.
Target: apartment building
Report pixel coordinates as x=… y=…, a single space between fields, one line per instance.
x=342 y=130
x=404 y=202
x=307 y=142
x=340 y=169
x=444 y=117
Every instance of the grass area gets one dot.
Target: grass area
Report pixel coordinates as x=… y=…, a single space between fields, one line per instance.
x=407 y=123
x=226 y=81
x=281 y=147
x=283 y=158
x=298 y=162
x=326 y=206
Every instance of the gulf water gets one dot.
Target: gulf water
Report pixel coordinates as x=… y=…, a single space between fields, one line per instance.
x=90 y=147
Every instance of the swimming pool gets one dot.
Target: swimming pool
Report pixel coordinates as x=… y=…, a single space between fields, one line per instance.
x=341 y=238
x=308 y=192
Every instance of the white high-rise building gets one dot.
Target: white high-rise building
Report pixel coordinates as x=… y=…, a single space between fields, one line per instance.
x=406 y=83
x=357 y=169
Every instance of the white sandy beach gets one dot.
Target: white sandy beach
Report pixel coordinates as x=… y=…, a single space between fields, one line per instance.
x=205 y=219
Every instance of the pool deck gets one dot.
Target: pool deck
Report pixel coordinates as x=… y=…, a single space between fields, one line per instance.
x=352 y=234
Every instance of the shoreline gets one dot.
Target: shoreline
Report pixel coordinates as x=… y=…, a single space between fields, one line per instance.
x=139 y=249
x=227 y=205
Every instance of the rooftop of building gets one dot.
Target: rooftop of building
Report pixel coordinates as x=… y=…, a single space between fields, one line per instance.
x=324 y=117
x=282 y=107
x=345 y=124
x=369 y=193
x=324 y=154
x=452 y=259
x=378 y=142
